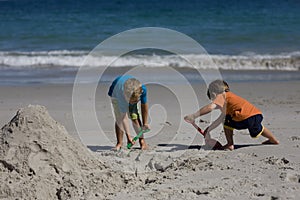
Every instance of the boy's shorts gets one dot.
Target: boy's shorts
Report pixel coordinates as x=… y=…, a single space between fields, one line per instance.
x=253 y=124
x=133 y=111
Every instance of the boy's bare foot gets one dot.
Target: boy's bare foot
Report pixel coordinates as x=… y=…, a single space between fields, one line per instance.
x=271 y=139
x=144 y=147
x=117 y=147
x=271 y=142
x=143 y=144
x=228 y=147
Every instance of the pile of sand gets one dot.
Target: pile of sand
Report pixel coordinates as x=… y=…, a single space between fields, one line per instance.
x=38 y=159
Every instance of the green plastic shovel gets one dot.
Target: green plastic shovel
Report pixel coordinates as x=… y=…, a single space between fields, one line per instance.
x=137 y=137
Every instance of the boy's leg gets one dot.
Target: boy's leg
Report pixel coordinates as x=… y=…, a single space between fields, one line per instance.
x=136 y=123
x=137 y=128
x=119 y=129
x=229 y=138
x=228 y=129
x=143 y=144
x=119 y=134
x=271 y=138
x=121 y=126
x=255 y=127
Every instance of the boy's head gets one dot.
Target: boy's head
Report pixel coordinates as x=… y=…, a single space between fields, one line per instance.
x=217 y=87
x=132 y=90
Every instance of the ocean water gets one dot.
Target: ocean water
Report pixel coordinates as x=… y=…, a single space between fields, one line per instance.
x=54 y=37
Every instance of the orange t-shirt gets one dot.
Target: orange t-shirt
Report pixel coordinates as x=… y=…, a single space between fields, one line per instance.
x=237 y=107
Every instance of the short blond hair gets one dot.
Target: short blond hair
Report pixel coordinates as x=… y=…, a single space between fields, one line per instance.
x=217 y=87
x=133 y=89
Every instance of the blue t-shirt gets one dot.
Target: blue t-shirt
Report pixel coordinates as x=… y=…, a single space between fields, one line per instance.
x=116 y=90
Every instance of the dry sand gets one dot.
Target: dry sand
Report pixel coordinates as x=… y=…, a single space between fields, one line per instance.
x=40 y=160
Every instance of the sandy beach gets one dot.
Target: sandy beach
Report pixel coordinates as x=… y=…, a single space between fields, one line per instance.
x=176 y=166
x=58 y=59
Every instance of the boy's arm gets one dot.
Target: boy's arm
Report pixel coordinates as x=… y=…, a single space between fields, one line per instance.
x=145 y=115
x=215 y=124
x=203 y=111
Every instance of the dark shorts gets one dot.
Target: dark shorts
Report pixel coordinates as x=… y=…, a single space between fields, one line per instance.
x=133 y=111
x=253 y=124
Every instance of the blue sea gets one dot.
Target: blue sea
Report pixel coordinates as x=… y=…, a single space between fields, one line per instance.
x=47 y=41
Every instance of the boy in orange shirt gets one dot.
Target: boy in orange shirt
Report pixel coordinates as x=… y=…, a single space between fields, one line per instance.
x=238 y=113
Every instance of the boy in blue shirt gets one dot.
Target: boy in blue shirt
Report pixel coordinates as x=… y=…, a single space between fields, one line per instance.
x=125 y=92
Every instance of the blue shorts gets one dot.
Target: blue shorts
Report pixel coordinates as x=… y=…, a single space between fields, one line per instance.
x=253 y=124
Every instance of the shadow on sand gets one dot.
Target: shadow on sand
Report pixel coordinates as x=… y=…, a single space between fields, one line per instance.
x=100 y=148
x=178 y=147
x=239 y=146
x=173 y=147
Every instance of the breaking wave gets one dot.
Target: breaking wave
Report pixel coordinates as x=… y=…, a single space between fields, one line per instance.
x=75 y=59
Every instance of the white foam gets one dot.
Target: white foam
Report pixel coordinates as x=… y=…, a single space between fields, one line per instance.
x=65 y=58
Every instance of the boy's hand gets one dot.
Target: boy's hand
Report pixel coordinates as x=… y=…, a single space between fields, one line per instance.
x=146 y=127
x=207 y=133
x=129 y=140
x=190 y=118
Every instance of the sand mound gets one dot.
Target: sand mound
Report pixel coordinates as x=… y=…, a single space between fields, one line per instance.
x=38 y=159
